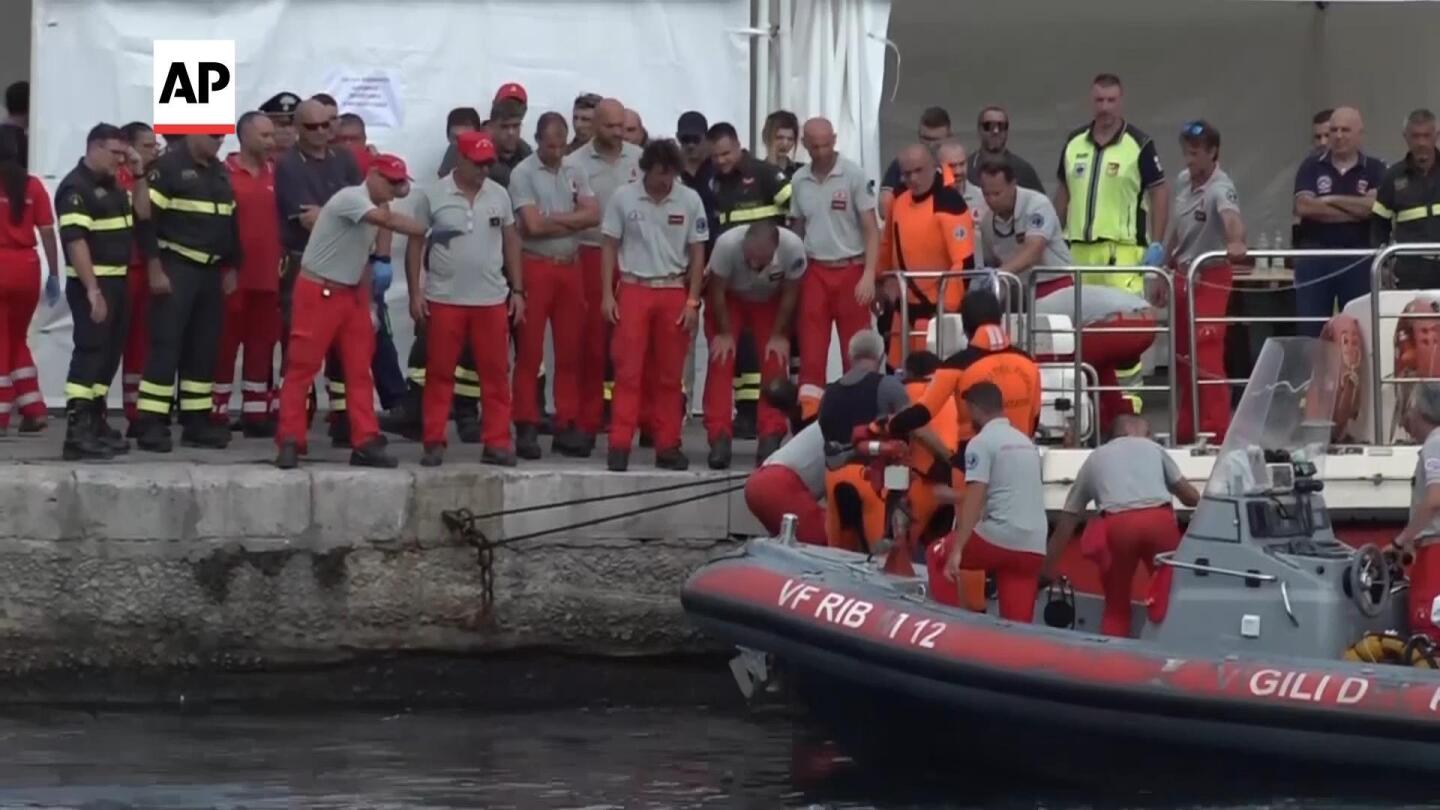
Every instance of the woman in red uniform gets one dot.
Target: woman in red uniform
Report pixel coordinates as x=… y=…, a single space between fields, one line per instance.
x=24 y=209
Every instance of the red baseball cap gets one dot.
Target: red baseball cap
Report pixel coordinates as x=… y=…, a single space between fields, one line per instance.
x=476 y=147
x=512 y=90
x=390 y=167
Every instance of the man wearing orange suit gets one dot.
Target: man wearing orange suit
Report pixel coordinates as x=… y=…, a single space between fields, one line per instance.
x=930 y=229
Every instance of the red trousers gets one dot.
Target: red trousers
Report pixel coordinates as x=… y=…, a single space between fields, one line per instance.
x=19 y=295
x=1016 y=574
x=1133 y=537
x=137 y=337
x=594 y=344
x=328 y=315
x=774 y=490
x=486 y=329
x=1212 y=297
x=552 y=297
x=1424 y=595
x=649 y=355
x=252 y=320
x=827 y=296
x=757 y=318
x=1107 y=352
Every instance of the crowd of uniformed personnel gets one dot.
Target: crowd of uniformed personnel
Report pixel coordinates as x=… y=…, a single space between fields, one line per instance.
x=619 y=247
x=622 y=247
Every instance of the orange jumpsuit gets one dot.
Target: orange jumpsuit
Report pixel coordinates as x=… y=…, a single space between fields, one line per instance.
x=988 y=358
x=933 y=232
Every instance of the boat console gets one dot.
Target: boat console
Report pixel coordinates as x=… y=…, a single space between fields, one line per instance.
x=1259 y=568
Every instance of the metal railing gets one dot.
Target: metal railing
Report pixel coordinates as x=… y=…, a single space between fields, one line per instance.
x=1077 y=275
x=1010 y=290
x=1379 y=259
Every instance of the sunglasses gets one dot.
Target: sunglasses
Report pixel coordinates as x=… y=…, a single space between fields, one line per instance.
x=995 y=126
x=690 y=140
x=317 y=127
x=1194 y=129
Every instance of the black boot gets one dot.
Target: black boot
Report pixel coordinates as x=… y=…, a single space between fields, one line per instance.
x=373 y=454
x=81 y=442
x=434 y=456
x=32 y=424
x=289 y=455
x=567 y=442
x=745 y=419
x=200 y=431
x=618 y=460
x=467 y=427
x=109 y=436
x=527 y=441
x=720 y=453
x=766 y=446
x=498 y=458
x=405 y=419
x=258 y=428
x=152 y=434
x=672 y=459
x=339 y=429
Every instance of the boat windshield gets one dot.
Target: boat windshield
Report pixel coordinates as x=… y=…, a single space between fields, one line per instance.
x=1281 y=427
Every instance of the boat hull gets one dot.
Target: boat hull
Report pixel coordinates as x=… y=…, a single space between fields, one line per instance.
x=855 y=639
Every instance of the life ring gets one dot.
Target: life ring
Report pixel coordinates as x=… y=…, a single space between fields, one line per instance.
x=1391 y=649
x=1417 y=347
x=1344 y=332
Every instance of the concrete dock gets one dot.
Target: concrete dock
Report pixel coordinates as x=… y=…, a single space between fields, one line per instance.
x=215 y=559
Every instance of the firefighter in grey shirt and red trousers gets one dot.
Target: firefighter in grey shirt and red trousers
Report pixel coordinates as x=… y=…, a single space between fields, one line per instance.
x=331 y=307
x=466 y=300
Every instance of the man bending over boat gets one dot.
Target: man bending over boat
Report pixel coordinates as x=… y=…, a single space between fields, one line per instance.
x=1422 y=534
x=854 y=510
x=1001 y=525
x=1131 y=480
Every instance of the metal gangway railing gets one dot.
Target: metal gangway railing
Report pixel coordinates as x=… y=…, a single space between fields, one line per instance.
x=1010 y=293
x=1379 y=259
x=1077 y=275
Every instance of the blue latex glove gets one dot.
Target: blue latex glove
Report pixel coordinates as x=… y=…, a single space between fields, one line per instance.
x=52 y=289
x=384 y=274
x=1154 y=255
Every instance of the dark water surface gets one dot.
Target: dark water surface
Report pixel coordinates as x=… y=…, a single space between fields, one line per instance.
x=584 y=752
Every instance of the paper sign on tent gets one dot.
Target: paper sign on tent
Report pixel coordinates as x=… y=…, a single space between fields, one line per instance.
x=373 y=94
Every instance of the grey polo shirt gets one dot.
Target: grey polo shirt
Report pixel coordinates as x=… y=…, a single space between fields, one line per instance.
x=832 y=209
x=1195 y=222
x=1005 y=460
x=468 y=267
x=1034 y=217
x=1097 y=302
x=1126 y=473
x=555 y=191
x=604 y=177
x=655 y=237
x=339 y=245
x=805 y=455
x=727 y=262
x=1427 y=474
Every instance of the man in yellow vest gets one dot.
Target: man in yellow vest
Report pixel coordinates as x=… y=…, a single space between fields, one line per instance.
x=1112 y=195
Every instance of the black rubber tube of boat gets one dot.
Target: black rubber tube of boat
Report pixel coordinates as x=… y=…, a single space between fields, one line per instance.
x=699 y=482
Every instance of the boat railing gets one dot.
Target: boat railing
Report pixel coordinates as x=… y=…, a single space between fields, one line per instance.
x=1010 y=292
x=1168 y=558
x=1379 y=260
x=1077 y=274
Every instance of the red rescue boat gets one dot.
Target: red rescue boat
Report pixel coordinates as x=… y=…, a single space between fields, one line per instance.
x=1247 y=655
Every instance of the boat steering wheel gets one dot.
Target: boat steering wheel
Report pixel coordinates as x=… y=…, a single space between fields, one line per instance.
x=1368 y=580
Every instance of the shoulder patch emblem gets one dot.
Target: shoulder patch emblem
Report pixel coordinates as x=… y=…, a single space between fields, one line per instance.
x=99 y=193
x=960 y=233
x=154 y=175
x=1401 y=183
x=1363 y=185
x=1231 y=196
x=76 y=200
x=870 y=187
x=971 y=460
x=1324 y=185
x=701 y=224
x=1037 y=221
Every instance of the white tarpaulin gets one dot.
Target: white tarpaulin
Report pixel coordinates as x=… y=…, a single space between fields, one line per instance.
x=92 y=62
